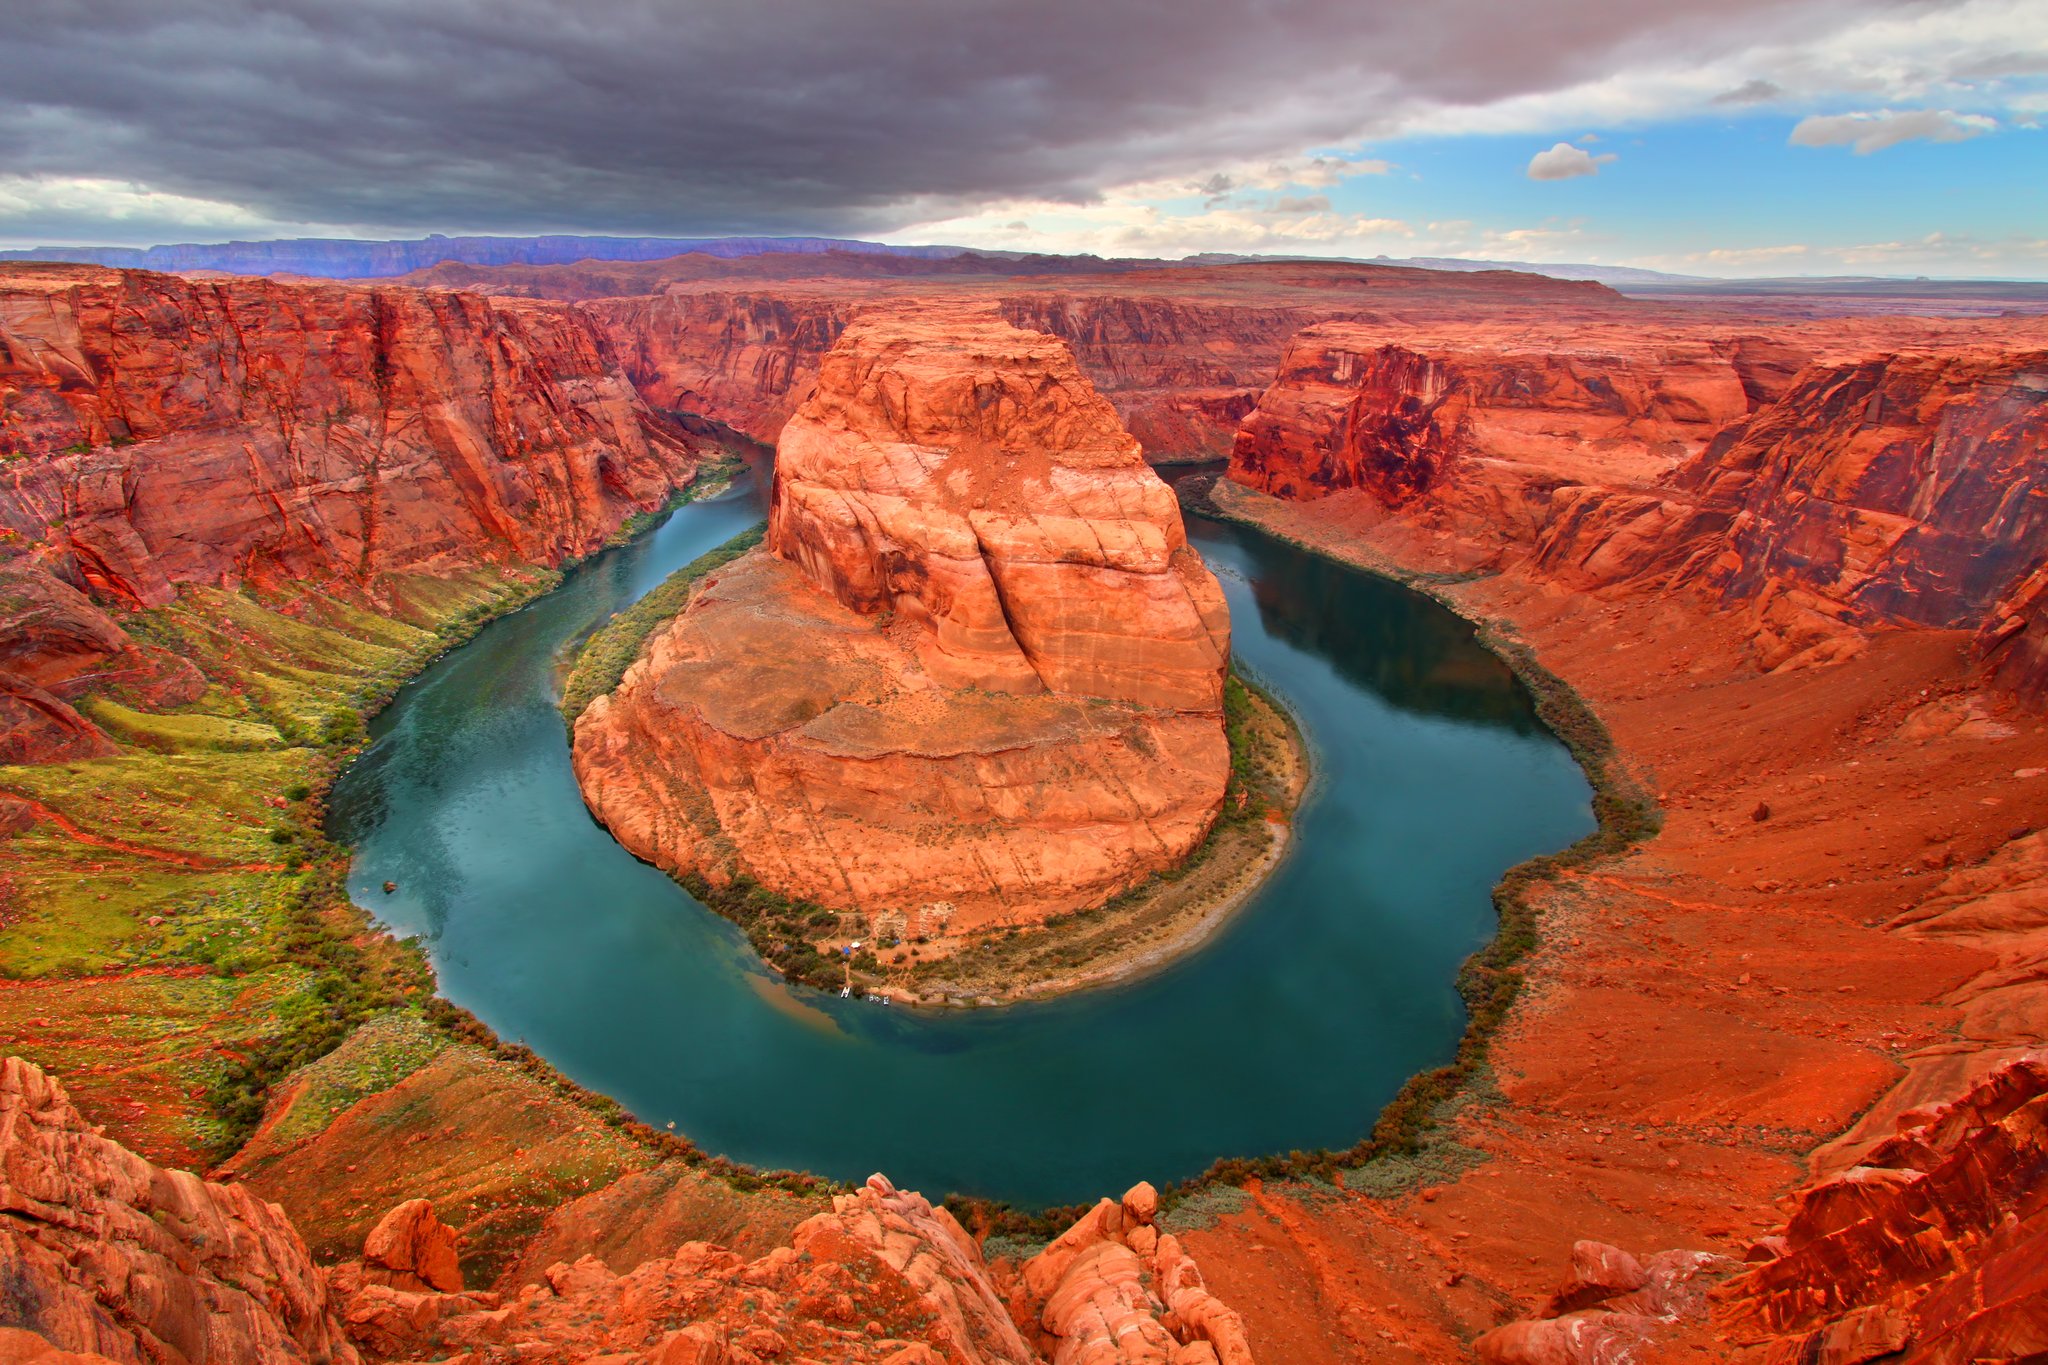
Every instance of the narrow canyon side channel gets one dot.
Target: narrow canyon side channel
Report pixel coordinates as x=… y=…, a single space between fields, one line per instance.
x=1288 y=1029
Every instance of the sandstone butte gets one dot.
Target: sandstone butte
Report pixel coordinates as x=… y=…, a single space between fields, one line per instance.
x=1772 y=1090
x=974 y=673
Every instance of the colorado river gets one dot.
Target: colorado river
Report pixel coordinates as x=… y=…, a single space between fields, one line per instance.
x=1288 y=1029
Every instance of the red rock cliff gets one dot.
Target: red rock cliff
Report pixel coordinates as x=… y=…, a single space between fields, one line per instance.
x=977 y=666
x=159 y=431
x=1181 y=373
x=1820 y=496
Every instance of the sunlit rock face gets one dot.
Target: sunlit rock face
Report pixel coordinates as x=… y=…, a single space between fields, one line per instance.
x=1815 y=493
x=975 y=665
x=160 y=431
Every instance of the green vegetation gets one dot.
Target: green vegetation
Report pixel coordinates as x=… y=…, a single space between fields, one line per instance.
x=378 y=1055
x=174 y=733
x=611 y=650
x=199 y=845
x=199 y=849
x=779 y=928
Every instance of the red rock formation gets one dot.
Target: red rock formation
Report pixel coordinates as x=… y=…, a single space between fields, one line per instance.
x=164 y=431
x=1182 y=373
x=1901 y=488
x=101 y=1252
x=1909 y=488
x=106 y=1257
x=981 y=665
x=1610 y=1309
x=54 y=644
x=412 y=1249
x=743 y=359
x=1391 y=408
x=1113 y=1288
x=883 y=1277
x=1934 y=1250
x=1182 y=354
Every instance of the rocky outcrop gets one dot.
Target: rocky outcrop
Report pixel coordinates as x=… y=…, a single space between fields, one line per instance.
x=158 y=431
x=55 y=645
x=1817 y=495
x=1934 y=1249
x=744 y=359
x=1114 y=1288
x=882 y=1277
x=103 y=1253
x=976 y=667
x=1399 y=411
x=1900 y=488
x=107 y=1257
x=412 y=1249
x=1610 y=1309
x=1181 y=373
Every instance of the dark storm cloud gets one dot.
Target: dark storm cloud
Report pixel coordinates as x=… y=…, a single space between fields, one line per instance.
x=799 y=115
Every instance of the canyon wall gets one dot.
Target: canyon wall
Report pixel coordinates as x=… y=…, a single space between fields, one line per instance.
x=743 y=359
x=157 y=431
x=1821 y=494
x=976 y=672
x=1181 y=373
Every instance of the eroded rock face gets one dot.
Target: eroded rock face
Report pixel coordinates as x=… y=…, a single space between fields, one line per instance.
x=1113 y=1288
x=1935 y=1249
x=55 y=644
x=165 y=431
x=883 y=1277
x=106 y=1257
x=1909 y=488
x=1397 y=411
x=105 y=1254
x=1820 y=495
x=744 y=359
x=977 y=664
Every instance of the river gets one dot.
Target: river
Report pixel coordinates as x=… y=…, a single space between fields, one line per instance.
x=1288 y=1029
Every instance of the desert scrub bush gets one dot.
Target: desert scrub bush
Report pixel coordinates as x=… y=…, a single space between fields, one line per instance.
x=611 y=650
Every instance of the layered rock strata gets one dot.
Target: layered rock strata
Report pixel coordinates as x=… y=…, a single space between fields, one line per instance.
x=1181 y=354
x=103 y=1252
x=976 y=666
x=1933 y=1248
x=158 y=431
x=1820 y=494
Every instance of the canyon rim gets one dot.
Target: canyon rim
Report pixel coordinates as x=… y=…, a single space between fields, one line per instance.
x=1402 y=649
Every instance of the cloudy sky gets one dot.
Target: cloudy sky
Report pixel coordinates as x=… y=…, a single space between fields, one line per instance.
x=1709 y=136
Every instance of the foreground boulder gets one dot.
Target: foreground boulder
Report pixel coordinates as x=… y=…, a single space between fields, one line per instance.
x=105 y=1257
x=1934 y=1249
x=975 y=676
x=883 y=1277
x=104 y=1254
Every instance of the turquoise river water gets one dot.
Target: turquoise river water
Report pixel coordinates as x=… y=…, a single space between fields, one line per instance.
x=1288 y=1029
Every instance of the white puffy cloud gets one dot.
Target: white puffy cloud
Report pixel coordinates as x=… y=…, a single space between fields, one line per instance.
x=1875 y=130
x=1565 y=162
x=33 y=207
x=1973 y=55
